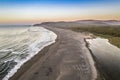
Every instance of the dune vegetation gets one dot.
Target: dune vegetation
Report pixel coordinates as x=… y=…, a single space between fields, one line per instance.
x=112 y=33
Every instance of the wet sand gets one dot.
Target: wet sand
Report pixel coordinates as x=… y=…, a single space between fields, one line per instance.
x=67 y=59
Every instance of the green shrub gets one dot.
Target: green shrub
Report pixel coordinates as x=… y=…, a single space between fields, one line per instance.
x=112 y=33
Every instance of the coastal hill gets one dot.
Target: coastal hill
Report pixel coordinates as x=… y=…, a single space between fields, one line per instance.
x=81 y=23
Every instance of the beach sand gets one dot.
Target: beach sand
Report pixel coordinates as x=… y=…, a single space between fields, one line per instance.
x=67 y=59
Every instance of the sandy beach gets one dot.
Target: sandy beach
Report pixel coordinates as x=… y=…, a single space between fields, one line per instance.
x=67 y=59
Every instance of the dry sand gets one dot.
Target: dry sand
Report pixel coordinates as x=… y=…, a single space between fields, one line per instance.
x=66 y=59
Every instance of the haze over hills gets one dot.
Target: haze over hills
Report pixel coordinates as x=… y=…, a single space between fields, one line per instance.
x=81 y=23
x=108 y=22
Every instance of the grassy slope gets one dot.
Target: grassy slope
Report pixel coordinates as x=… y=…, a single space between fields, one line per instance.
x=112 y=33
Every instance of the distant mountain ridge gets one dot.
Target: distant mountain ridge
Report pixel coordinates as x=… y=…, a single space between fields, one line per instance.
x=80 y=23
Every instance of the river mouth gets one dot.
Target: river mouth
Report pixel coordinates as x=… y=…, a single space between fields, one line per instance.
x=107 y=55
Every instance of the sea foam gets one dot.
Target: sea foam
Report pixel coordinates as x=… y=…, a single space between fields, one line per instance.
x=48 y=37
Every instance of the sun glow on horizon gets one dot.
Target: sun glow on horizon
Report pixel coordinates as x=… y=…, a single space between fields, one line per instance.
x=34 y=13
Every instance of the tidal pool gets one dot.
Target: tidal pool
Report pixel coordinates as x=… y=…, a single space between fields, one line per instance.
x=107 y=55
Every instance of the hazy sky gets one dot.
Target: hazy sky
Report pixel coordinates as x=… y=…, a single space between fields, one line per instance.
x=34 y=11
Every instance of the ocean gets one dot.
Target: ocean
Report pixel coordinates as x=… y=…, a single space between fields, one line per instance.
x=18 y=44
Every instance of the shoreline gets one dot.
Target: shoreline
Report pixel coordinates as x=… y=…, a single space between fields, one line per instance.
x=29 y=63
x=42 y=59
x=46 y=43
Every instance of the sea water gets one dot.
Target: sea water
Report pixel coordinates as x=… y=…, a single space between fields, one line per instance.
x=18 y=44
